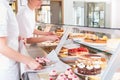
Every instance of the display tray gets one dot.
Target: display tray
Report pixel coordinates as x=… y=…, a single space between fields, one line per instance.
x=69 y=59
x=76 y=72
x=48 y=43
x=89 y=43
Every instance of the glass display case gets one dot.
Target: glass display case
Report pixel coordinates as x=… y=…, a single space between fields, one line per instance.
x=80 y=38
x=90 y=14
x=56 y=29
x=96 y=49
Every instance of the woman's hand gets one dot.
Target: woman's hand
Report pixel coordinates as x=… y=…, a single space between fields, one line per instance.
x=52 y=38
x=49 y=33
x=34 y=65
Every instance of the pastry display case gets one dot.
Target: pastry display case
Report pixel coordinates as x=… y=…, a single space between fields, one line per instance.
x=56 y=29
x=91 y=53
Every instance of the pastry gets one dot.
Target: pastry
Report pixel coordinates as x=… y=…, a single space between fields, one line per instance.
x=67 y=75
x=43 y=61
x=90 y=64
x=76 y=35
x=78 y=51
x=53 y=75
x=96 y=39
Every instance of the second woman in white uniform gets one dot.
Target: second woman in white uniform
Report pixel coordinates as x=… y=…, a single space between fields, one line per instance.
x=9 y=57
x=26 y=21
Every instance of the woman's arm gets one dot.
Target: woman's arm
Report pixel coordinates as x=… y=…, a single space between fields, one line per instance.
x=42 y=39
x=14 y=55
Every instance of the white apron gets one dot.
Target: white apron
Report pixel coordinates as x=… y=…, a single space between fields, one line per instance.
x=9 y=69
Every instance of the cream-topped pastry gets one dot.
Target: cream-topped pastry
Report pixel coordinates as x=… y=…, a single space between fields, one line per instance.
x=67 y=75
x=81 y=65
x=53 y=75
x=68 y=71
x=89 y=67
x=53 y=72
x=97 y=66
x=61 y=76
x=71 y=75
x=89 y=64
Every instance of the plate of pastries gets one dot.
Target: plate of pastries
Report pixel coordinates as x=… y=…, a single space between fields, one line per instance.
x=95 y=40
x=90 y=64
x=71 y=55
x=59 y=32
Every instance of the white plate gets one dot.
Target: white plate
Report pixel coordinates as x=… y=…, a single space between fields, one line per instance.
x=78 y=39
x=71 y=46
x=69 y=59
x=88 y=43
x=75 y=71
x=96 y=44
x=47 y=43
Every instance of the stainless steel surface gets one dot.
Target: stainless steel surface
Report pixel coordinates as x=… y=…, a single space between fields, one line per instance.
x=35 y=50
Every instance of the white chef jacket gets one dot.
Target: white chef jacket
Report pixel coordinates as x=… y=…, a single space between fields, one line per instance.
x=26 y=21
x=9 y=29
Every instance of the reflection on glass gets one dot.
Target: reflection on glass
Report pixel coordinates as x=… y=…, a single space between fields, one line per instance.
x=89 y=13
x=96 y=12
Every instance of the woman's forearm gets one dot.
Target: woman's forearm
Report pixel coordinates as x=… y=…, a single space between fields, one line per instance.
x=14 y=55
x=36 y=39
x=38 y=32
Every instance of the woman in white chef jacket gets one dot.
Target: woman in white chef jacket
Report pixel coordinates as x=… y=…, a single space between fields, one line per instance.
x=26 y=21
x=9 y=57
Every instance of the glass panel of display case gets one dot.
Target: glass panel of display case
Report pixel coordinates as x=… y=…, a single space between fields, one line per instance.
x=91 y=59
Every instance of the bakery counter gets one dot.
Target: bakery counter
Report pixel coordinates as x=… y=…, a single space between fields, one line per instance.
x=33 y=50
x=55 y=64
x=41 y=74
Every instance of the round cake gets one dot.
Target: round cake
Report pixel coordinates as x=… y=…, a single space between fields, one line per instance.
x=90 y=64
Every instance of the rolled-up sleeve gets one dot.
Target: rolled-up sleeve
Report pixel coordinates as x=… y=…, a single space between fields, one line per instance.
x=3 y=20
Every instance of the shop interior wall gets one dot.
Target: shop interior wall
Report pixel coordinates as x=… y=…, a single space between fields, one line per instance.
x=112 y=17
x=115 y=13
x=69 y=14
